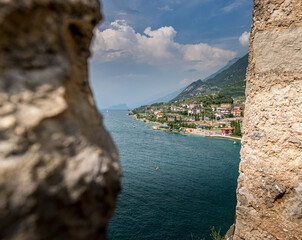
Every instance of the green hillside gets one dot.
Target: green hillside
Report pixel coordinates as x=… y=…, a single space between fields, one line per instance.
x=230 y=82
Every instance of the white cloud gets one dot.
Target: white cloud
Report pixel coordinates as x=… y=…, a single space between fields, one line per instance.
x=231 y=6
x=234 y=5
x=244 y=39
x=155 y=47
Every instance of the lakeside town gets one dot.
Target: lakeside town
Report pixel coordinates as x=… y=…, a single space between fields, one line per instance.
x=213 y=115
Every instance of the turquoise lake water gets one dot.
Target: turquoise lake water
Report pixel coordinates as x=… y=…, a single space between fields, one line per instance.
x=193 y=190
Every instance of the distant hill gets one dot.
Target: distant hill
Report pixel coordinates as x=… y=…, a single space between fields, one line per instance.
x=167 y=97
x=161 y=97
x=119 y=107
x=229 y=81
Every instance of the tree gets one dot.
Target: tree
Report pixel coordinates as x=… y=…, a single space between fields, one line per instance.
x=233 y=123
x=237 y=130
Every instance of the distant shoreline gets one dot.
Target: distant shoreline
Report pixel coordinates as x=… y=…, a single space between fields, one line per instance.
x=197 y=132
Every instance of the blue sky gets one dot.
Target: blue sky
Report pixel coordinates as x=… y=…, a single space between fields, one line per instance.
x=144 y=48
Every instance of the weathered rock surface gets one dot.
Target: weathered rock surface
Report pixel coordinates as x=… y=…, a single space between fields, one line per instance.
x=269 y=190
x=59 y=169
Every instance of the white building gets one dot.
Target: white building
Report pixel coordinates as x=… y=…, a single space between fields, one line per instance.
x=223 y=110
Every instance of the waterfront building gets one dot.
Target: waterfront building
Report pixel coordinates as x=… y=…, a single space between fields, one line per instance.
x=229 y=131
x=223 y=110
x=177 y=109
x=226 y=105
x=237 y=113
x=214 y=107
x=191 y=106
x=218 y=115
x=159 y=115
x=238 y=107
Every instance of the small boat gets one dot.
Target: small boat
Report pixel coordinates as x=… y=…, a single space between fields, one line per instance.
x=234 y=142
x=157 y=168
x=173 y=134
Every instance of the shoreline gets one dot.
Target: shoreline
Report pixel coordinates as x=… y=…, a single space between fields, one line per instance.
x=227 y=137
x=197 y=132
x=210 y=134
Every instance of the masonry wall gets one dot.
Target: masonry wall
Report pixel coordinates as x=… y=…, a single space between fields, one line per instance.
x=270 y=183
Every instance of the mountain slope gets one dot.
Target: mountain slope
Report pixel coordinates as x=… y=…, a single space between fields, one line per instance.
x=230 y=81
x=230 y=63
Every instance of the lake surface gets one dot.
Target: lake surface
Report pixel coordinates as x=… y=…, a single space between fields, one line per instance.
x=193 y=190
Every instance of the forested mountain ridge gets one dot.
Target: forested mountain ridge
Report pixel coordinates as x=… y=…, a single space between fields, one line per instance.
x=230 y=81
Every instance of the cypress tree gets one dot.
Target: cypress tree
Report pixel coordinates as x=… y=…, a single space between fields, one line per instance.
x=237 y=130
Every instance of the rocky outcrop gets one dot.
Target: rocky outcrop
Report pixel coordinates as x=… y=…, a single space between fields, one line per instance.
x=59 y=170
x=270 y=183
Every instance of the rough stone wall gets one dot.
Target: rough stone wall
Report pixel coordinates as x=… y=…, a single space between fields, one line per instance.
x=270 y=183
x=59 y=170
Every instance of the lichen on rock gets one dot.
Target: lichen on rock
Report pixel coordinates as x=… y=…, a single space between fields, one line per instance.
x=59 y=169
